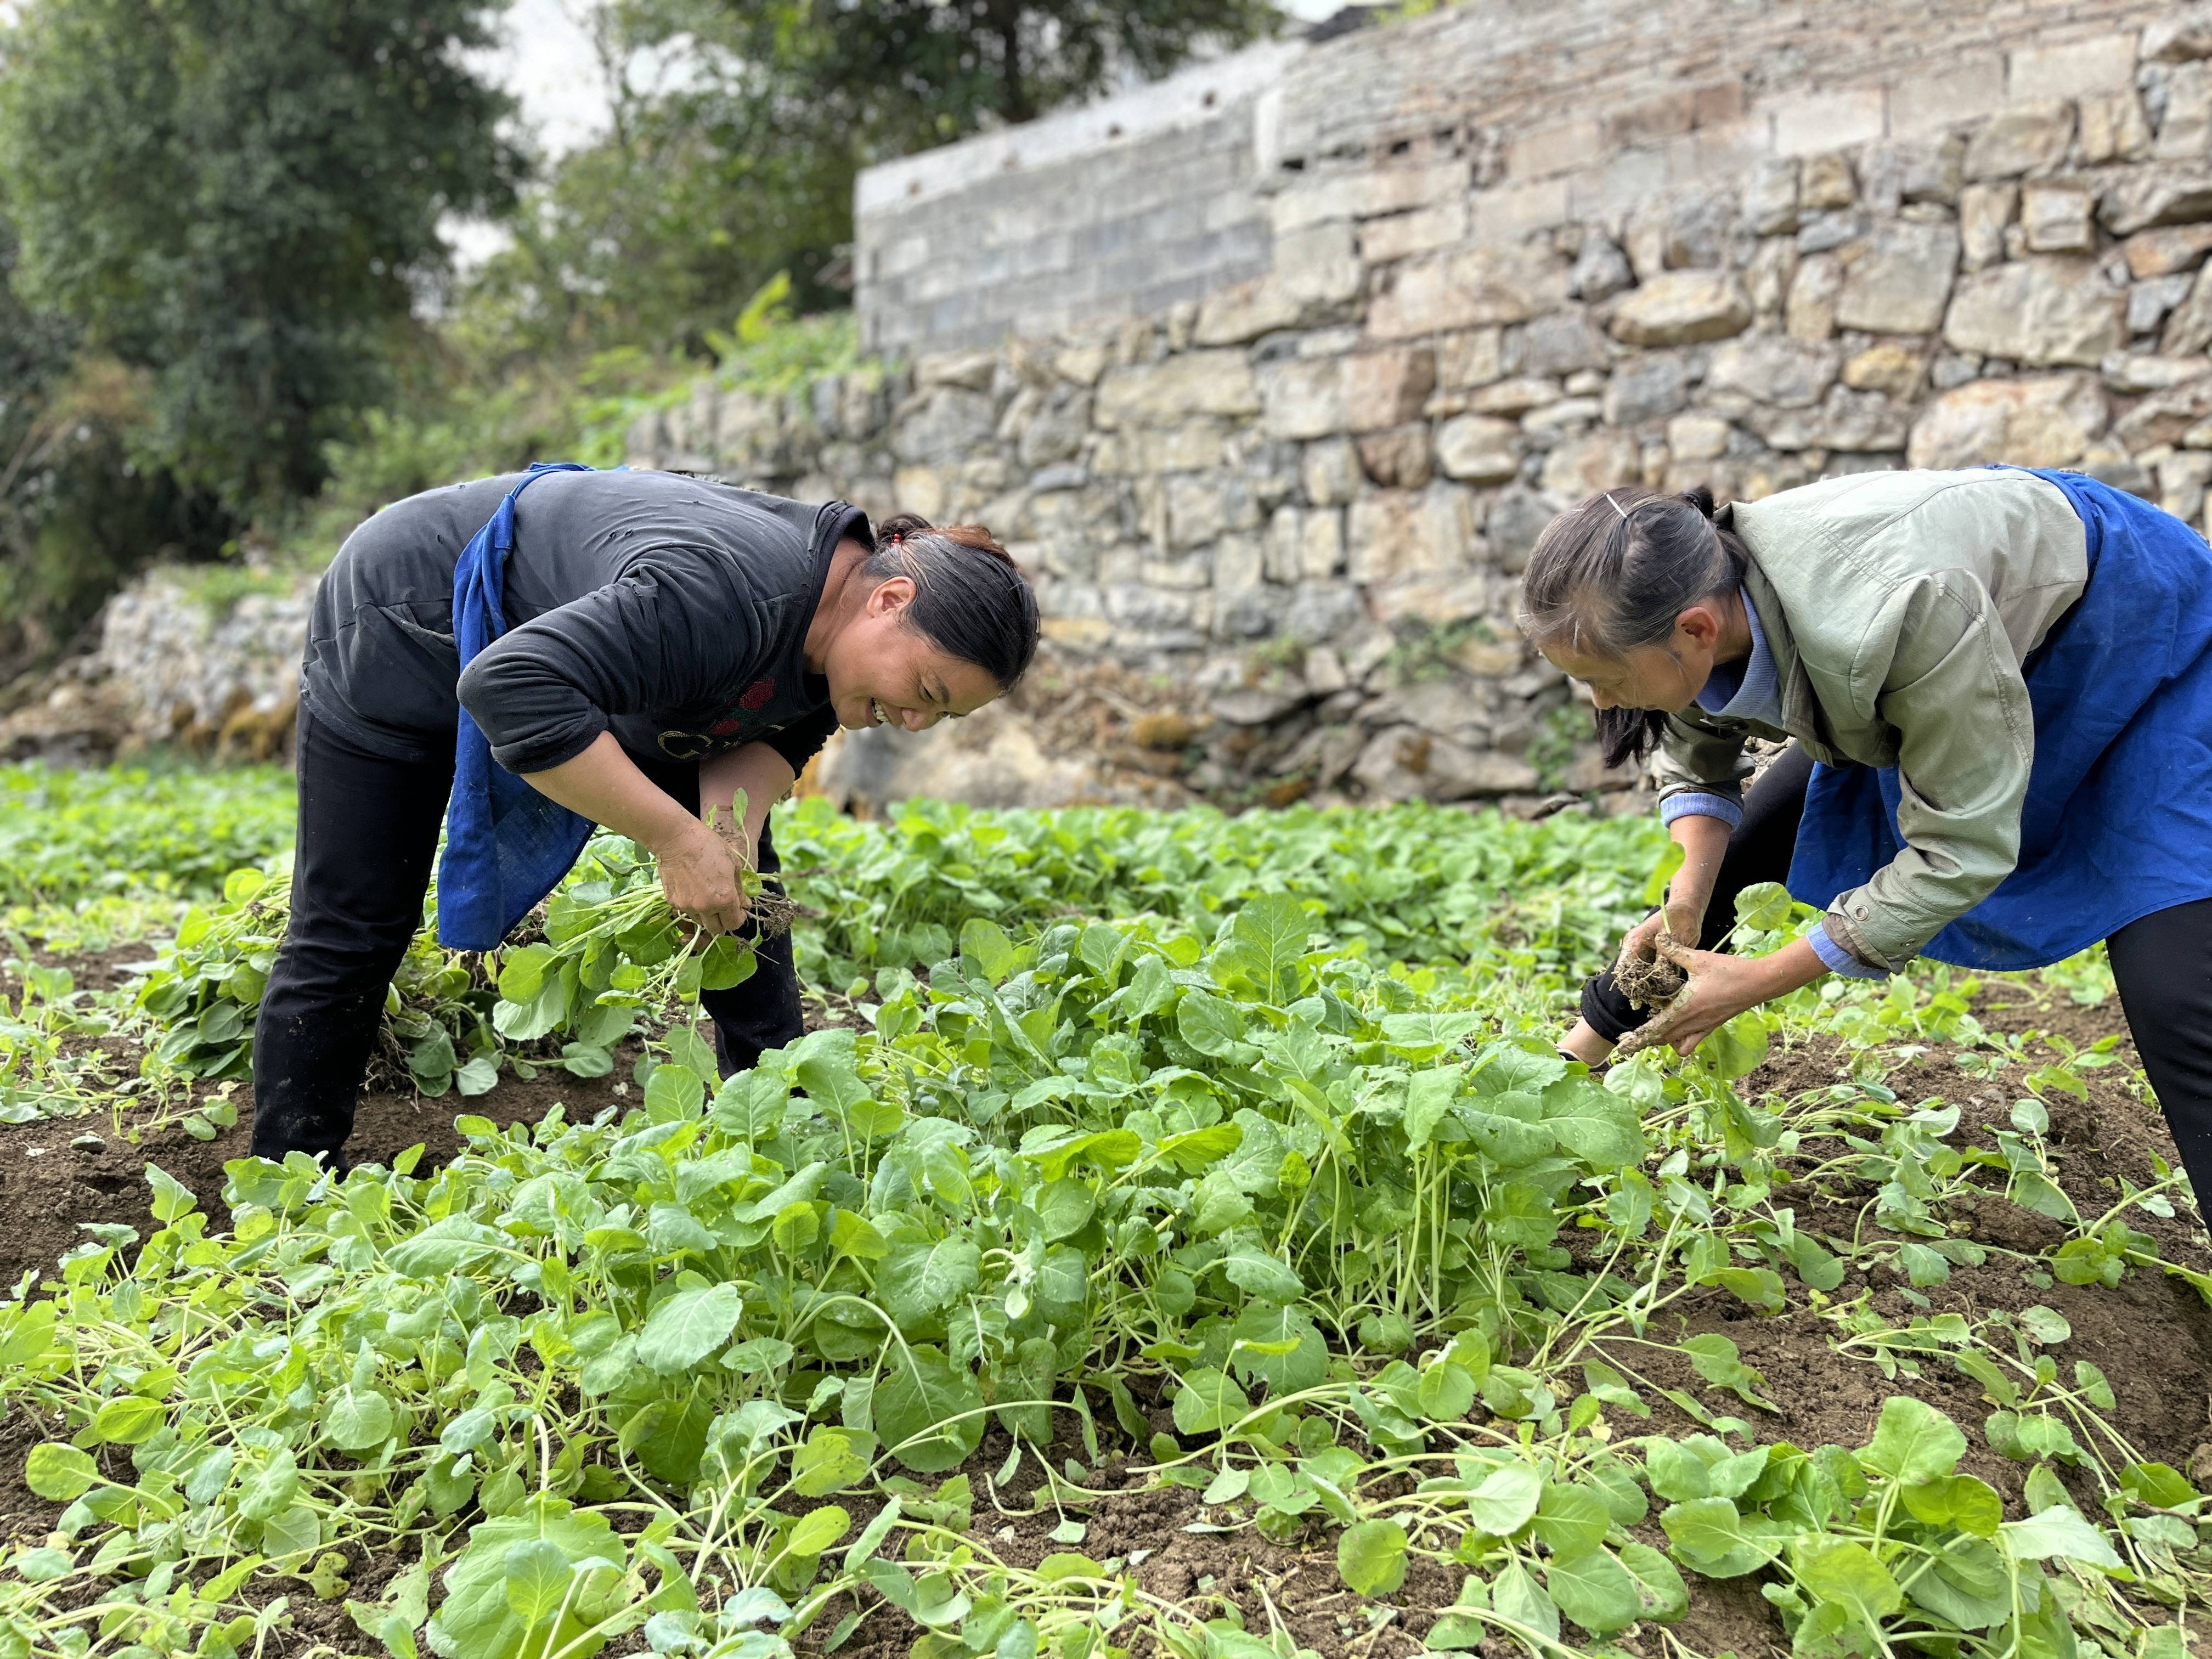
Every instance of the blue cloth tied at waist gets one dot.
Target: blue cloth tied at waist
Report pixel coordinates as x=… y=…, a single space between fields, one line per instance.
x=2117 y=820
x=507 y=845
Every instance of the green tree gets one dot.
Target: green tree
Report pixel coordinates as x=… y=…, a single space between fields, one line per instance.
x=654 y=235
x=700 y=194
x=75 y=517
x=242 y=197
x=912 y=74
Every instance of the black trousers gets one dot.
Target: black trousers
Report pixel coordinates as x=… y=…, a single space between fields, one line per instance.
x=2162 y=964
x=367 y=833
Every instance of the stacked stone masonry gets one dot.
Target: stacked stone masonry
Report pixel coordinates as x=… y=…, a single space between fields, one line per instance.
x=1508 y=255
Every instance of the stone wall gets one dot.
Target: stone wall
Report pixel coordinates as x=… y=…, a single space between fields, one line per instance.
x=1118 y=209
x=1512 y=254
x=1522 y=253
x=171 y=668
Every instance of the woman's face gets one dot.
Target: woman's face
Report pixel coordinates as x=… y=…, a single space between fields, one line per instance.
x=882 y=672
x=1666 y=676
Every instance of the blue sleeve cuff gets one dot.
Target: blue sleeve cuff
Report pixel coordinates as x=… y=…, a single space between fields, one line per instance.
x=1838 y=960
x=1690 y=804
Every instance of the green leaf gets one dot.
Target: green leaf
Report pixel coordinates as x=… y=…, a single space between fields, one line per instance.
x=356 y=1419
x=1428 y=1097
x=673 y=1092
x=1265 y=946
x=1371 y=1556
x=1676 y=1473
x=1279 y=1346
x=1913 y=1441
x=1764 y=905
x=1708 y=1534
x=1516 y=1596
x=1572 y=1520
x=1595 y=1590
x=1252 y=1268
x=522 y=971
x=1064 y=1208
x=128 y=1419
x=1597 y=1126
x=1658 y=1586
x=1210 y=1402
x=929 y=1412
x=1655 y=884
x=538 y=1575
x=818 y=1529
x=985 y=944
x=1956 y=1500
x=582 y=1059
x=2159 y=1484
x=294 y=1531
x=60 y=1473
x=2058 y=1531
x=1423 y=1033
x=476 y=1617
x=1446 y=1392
x=1195 y=1151
x=1718 y=1361
x=2046 y=1326
x=830 y=1461
x=1848 y=1575
x=918 y=1279
x=686 y=1326
x=728 y=961
x=172 y=1198
x=1505 y=1499
x=1737 y=1048
x=1213 y=1027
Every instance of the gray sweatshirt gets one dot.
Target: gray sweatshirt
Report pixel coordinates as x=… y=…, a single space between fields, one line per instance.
x=669 y=610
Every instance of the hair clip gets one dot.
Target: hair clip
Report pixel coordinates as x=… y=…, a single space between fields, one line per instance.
x=1615 y=506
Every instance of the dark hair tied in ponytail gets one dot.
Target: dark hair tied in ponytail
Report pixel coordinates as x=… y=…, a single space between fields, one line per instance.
x=1613 y=572
x=970 y=598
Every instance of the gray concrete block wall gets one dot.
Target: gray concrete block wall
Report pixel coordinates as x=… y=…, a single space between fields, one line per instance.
x=1117 y=232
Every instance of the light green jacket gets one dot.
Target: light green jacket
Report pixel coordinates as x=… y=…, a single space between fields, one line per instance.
x=1898 y=607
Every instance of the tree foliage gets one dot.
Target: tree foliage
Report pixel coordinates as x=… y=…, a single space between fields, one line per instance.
x=909 y=73
x=242 y=198
x=705 y=190
x=75 y=518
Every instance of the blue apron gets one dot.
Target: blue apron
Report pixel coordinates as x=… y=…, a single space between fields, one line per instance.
x=507 y=845
x=2118 y=821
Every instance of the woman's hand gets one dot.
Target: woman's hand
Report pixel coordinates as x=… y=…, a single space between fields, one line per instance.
x=1720 y=988
x=702 y=876
x=1679 y=921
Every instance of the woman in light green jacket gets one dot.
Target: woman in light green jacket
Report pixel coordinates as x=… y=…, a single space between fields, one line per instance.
x=1997 y=686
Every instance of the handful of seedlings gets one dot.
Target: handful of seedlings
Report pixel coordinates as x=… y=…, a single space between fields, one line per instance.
x=613 y=947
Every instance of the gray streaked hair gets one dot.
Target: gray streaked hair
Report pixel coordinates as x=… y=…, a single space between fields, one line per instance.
x=1615 y=571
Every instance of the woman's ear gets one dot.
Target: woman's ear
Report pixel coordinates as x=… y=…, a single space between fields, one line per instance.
x=1702 y=623
x=891 y=596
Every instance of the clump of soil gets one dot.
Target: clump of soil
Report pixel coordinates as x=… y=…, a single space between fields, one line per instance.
x=1651 y=982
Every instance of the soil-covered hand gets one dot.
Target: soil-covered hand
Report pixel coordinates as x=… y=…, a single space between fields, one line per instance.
x=1681 y=921
x=1642 y=975
x=1717 y=988
x=703 y=875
